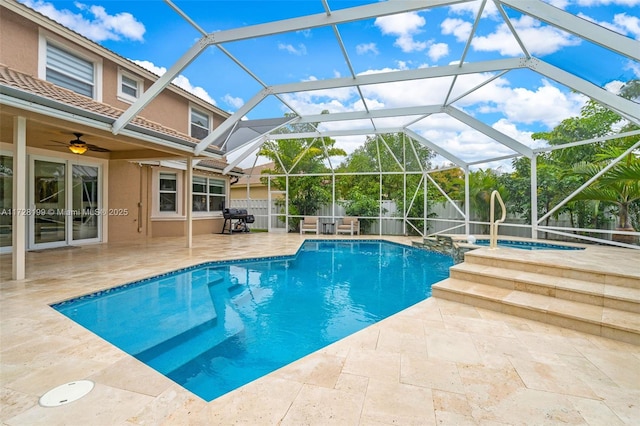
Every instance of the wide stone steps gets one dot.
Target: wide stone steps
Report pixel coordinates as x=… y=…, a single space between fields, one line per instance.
x=601 y=303
x=599 y=294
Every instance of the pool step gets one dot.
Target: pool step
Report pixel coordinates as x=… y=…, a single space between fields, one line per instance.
x=550 y=262
x=176 y=352
x=576 y=297
x=583 y=291
x=598 y=320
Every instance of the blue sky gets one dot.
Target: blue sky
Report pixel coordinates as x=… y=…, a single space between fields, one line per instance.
x=519 y=103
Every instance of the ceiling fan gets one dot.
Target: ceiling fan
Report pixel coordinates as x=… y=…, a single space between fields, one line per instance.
x=78 y=146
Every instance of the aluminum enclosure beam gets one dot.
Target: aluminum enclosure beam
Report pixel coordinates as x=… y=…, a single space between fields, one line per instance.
x=159 y=85
x=603 y=96
x=443 y=152
x=578 y=26
x=490 y=131
x=341 y=16
x=376 y=113
x=403 y=75
x=332 y=133
x=231 y=121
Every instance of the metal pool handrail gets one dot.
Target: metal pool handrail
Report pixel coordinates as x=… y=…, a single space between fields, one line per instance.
x=493 y=224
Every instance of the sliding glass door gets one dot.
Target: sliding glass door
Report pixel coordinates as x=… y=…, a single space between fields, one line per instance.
x=85 y=211
x=49 y=203
x=65 y=203
x=6 y=202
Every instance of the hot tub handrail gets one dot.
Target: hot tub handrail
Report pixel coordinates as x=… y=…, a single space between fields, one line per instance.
x=493 y=224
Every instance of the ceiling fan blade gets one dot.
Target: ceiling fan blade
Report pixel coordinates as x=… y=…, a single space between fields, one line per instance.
x=96 y=148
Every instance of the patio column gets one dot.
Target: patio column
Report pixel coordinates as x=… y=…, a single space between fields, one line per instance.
x=534 y=197
x=425 y=205
x=467 y=201
x=19 y=201
x=189 y=203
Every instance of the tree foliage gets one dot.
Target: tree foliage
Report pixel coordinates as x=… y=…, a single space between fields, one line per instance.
x=562 y=171
x=299 y=157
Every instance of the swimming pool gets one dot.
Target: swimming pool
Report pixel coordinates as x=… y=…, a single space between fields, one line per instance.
x=217 y=326
x=528 y=245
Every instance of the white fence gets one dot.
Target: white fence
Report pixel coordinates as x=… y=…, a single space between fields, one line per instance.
x=445 y=217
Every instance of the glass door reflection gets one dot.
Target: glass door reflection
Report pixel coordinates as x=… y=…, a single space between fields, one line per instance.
x=49 y=202
x=85 y=212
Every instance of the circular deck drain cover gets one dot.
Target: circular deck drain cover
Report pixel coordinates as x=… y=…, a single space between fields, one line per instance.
x=66 y=393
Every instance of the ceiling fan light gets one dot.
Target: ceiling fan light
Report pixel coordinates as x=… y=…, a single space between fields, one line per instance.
x=78 y=148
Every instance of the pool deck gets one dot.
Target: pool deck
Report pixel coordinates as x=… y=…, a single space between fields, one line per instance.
x=437 y=362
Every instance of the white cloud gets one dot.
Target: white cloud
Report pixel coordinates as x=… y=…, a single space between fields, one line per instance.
x=97 y=25
x=633 y=66
x=405 y=27
x=438 y=50
x=622 y=24
x=232 y=101
x=546 y=104
x=150 y=66
x=364 y=48
x=508 y=128
x=457 y=27
x=180 y=81
x=538 y=39
x=513 y=109
x=301 y=50
x=489 y=11
x=630 y=24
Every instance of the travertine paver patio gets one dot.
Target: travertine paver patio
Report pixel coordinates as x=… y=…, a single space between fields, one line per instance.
x=437 y=362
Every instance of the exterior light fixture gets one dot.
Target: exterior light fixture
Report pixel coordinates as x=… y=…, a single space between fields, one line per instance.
x=78 y=147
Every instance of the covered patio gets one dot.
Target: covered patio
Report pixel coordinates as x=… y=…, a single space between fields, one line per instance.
x=436 y=362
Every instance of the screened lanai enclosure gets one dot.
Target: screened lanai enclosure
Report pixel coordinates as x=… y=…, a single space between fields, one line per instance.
x=418 y=148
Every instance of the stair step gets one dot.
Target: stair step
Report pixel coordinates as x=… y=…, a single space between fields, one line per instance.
x=547 y=264
x=623 y=298
x=598 y=320
x=171 y=355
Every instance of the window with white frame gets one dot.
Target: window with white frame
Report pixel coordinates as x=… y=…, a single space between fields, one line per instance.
x=168 y=192
x=209 y=194
x=130 y=87
x=200 y=124
x=69 y=70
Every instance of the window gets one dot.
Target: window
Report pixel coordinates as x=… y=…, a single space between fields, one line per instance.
x=70 y=71
x=209 y=195
x=200 y=124
x=168 y=193
x=130 y=87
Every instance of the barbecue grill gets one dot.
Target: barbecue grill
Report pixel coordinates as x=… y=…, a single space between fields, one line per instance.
x=241 y=218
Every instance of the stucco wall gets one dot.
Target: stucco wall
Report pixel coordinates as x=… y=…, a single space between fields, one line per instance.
x=256 y=193
x=18 y=43
x=177 y=228
x=127 y=194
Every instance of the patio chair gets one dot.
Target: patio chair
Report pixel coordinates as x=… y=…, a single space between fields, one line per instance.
x=310 y=224
x=350 y=225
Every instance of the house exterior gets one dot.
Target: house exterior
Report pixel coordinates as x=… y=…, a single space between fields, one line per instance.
x=59 y=90
x=250 y=185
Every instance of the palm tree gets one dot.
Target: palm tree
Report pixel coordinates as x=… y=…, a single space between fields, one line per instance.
x=481 y=185
x=619 y=187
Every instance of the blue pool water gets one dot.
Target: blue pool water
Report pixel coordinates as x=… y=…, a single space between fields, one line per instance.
x=217 y=326
x=528 y=245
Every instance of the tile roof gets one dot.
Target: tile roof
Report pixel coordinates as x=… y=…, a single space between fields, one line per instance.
x=256 y=174
x=43 y=89
x=218 y=165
